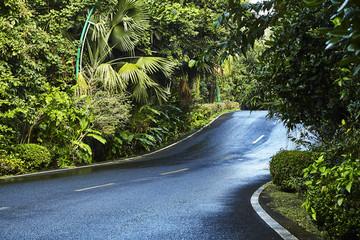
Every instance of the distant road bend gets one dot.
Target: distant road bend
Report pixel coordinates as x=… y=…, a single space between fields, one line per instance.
x=197 y=189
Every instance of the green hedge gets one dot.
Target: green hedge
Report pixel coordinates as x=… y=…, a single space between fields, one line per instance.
x=10 y=165
x=201 y=115
x=286 y=169
x=35 y=156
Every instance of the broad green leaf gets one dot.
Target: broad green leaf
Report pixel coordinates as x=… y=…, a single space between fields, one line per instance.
x=337 y=21
x=340 y=201
x=313 y=213
x=348 y=186
x=354 y=47
x=97 y=137
x=320 y=159
x=192 y=63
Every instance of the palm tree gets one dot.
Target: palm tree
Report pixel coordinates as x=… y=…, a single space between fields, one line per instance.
x=121 y=31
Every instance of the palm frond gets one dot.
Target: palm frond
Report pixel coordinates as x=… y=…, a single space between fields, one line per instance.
x=155 y=64
x=141 y=82
x=123 y=40
x=130 y=72
x=128 y=23
x=110 y=79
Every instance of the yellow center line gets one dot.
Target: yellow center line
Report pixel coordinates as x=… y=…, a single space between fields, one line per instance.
x=99 y=186
x=226 y=157
x=181 y=170
x=3 y=208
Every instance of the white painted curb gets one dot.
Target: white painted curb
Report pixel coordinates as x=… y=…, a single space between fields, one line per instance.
x=285 y=234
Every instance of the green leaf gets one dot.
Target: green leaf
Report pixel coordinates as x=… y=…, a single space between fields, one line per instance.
x=348 y=186
x=354 y=47
x=97 y=137
x=127 y=136
x=192 y=63
x=357 y=70
x=313 y=213
x=83 y=146
x=313 y=3
x=340 y=201
x=118 y=140
x=322 y=169
x=320 y=159
x=337 y=21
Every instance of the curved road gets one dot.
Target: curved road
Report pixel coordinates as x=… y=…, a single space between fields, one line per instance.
x=197 y=189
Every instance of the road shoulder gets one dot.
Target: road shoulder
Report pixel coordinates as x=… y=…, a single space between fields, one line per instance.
x=266 y=203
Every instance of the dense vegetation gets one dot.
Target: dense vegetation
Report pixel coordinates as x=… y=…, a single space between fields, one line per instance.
x=138 y=80
x=309 y=74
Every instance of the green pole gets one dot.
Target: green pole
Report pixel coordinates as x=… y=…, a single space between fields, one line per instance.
x=82 y=40
x=217 y=91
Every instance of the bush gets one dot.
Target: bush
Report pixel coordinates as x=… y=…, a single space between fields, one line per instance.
x=333 y=195
x=231 y=105
x=10 y=165
x=202 y=114
x=286 y=169
x=35 y=156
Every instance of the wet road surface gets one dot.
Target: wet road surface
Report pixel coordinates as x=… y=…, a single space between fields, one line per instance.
x=197 y=189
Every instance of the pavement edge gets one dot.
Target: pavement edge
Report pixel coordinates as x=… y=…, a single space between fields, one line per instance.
x=285 y=234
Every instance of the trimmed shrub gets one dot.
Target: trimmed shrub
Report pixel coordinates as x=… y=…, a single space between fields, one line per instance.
x=35 y=156
x=9 y=165
x=286 y=169
x=202 y=113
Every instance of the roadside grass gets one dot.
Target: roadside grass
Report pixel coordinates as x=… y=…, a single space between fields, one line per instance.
x=289 y=205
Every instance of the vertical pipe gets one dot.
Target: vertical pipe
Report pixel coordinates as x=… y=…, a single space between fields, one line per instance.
x=82 y=40
x=217 y=91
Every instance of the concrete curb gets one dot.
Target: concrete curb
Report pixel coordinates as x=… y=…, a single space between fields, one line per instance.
x=285 y=234
x=114 y=162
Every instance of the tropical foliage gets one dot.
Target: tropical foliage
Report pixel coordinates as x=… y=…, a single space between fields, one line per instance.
x=310 y=74
x=139 y=77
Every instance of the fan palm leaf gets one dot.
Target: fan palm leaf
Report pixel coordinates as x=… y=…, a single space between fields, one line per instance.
x=155 y=64
x=110 y=79
x=127 y=24
x=137 y=75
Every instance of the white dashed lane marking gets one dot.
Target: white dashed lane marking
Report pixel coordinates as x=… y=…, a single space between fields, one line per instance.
x=254 y=142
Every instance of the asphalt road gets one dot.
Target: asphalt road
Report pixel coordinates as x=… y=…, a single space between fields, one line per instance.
x=197 y=189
